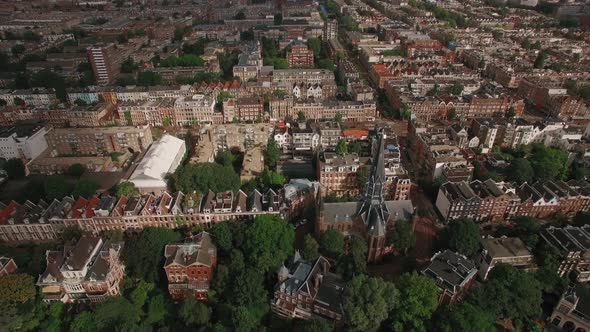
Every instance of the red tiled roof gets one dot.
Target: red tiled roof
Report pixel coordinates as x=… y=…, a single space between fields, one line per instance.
x=358 y=133
x=79 y=207
x=7 y=211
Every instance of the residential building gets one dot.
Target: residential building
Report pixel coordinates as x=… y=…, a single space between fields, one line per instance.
x=330 y=134
x=249 y=109
x=300 y=56
x=504 y=250
x=189 y=267
x=573 y=244
x=249 y=62
x=338 y=174
x=98 y=141
x=22 y=141
x=89 y=271
x=453 y=274
x=308 y=289
x=457 y=200
x=104 y=63
x=161 y=159
x=7 y=266
x=330 y=29
x=305 y=138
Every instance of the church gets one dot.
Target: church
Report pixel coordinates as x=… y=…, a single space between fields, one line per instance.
x=372 y=216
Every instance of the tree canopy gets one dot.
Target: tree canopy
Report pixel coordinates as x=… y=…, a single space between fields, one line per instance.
x=402 y=236
x=126 y=188
x=143 y=252
x=203 y=177
x=418 y=300
x=268 y=241
x=521 y=171
x=310 y=248
x=14 y=168
x=332 y=243
x=16 y=289
x=462 y=236
x=368 y=302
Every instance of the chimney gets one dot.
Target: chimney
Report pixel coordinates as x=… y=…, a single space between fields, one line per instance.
x=316 y=281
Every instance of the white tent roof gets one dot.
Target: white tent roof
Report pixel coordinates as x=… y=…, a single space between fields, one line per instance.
x=158 y=160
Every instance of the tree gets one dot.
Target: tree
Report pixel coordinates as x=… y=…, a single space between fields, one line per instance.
x=527 y=229
x=149 y=78
x=57 y=187
x=85 y=188
x=203 y=177
x=521 y=171
x=462 y=236
x=240 y=16
x=268 y=241
x=418 y=299
x=464 y=317
x=248 y=288
x=457 y=88
x=315 y=44
x=511 y=112
x=18 y=49
x=368 y=301
x=341 y=147
x=115 y=312
x=509 y=293
x=338 y=117
x=540 y=60
x=194 y=313
x=310 y=248
x=76 y=170
x=548 y=163
x=128 y=66
x=271 y=179
x=326 y=64
x=355 y=262
x=316 y=325
x=16 y=289
x=143 y=253
x=70 y=235
x=126 y=188
x=402 y=236
x=278 y=19
x=272 y=154
x=332 y=243
x=300 y=116
x=140 y=294
x=14 y=168
x=549 y=259
x=223 y=236
x=83 y=322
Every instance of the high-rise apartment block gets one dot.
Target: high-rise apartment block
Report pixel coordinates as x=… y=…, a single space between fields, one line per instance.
x=103 y=61
x=330 y=29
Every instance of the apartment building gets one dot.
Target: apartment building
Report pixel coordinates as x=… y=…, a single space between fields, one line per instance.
x=89 y=271
x=98 y=141
x=306 y=289
x=305 y=138
x=453 y=274
x=189 y=267
x=148 y=112
x=36 y=97
x=338 y=175
x=31 y=222
x=196 y=109
x=330 y=134
x=491 y=201
x=300 y=56
x=435 y=155
x=104 y=62
x=330 y=29
x=7 y=266
x=504 y=250
x=249 y=62
x=573 y=244
x=249 y=109
x=22 y=141
x=571 y=312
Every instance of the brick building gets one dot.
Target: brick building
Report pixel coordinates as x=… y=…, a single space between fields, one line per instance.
x=300 y=56
x=98 y=141
x=338 y=175
x=306 y=289
x=189 y=267
x=453 y=275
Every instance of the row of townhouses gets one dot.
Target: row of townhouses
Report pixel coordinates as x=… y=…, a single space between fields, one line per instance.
x=44 y=221
x=498 y=201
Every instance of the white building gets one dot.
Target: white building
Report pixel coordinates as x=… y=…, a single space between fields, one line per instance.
x=22 y=141
x=161 y=159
